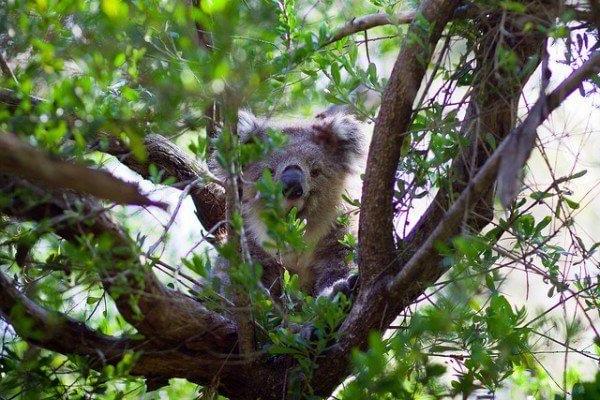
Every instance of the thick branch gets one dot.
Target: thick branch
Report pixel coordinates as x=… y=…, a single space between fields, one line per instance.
x=155 y=360
x=376 y=244
x=376 y=306
x=208 y=196
x=376 y=227
x=492 y=111
x=16 y=158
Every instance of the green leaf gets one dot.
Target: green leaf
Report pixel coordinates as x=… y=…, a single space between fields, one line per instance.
x=571 y=203
x=539 y=195
x=514 y=6
x=489 y=282
x=579 y=174
x=543 y=223
x=115 y=9
x=335 y=73
x=119 y=59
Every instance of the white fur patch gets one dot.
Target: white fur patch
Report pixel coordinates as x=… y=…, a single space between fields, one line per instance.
x=248 y=124
x=329 y=290
x=255 y=226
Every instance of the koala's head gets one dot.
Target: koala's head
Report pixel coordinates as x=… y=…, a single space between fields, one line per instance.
x=314 y=167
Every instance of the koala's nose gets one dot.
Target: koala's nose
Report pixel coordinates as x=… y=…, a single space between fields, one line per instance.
x=292 y=178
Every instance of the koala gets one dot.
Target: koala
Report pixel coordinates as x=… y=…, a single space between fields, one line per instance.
x=321 y=160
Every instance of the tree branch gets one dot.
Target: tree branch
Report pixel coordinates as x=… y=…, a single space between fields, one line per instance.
x=466 y=10
x=11 y=100
x=376 y=241
x=519 y=147
x=208 y=196
x=202 y=35
x=164 y=314
x=155 y=361
x=370 y=21
x=524 y=136
x=377 y=252
x=365 y=22
x=16 y=158
x=55 y=331
x=376 y=306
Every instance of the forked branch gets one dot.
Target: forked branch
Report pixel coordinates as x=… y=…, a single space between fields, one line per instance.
x=391 y=127
x=377 y=250
x=523 y=138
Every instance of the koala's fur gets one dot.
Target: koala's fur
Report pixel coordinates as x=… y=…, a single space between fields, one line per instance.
x=330 y=151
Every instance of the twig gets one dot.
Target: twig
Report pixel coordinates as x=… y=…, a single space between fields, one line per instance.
x=366 y=22
x=370 y=21
x=182 y=196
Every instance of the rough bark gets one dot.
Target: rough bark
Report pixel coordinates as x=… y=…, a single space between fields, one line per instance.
x=156 y=360
x=55 y=331
x=377 y=257
x=391 y=128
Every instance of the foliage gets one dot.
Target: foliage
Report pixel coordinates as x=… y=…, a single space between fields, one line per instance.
x=115 y=69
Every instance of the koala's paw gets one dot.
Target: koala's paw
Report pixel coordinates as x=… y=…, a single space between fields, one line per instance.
x=348 y=286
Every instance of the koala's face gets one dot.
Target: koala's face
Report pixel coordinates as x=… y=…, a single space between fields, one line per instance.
x=312 y=167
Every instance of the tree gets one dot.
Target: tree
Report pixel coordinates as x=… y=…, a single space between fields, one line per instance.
x=95 y=308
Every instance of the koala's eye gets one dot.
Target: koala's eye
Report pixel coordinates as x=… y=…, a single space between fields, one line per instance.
x=315 y=172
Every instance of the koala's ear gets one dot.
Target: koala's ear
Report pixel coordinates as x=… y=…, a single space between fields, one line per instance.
x=338 y=130
x=248 y=126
